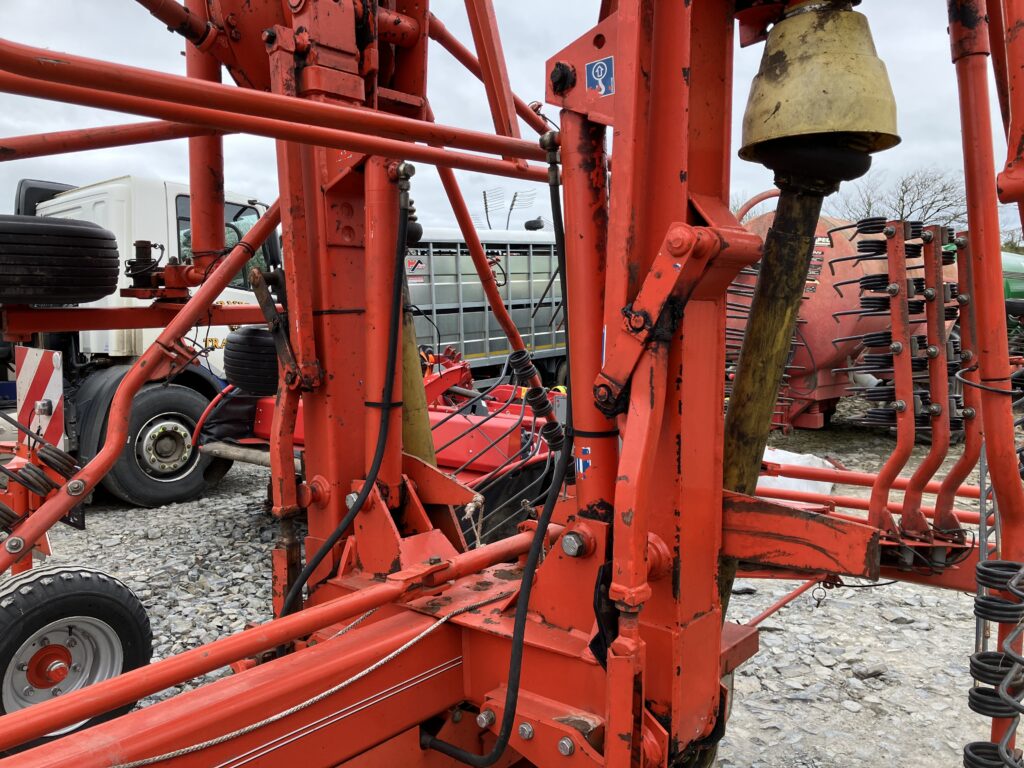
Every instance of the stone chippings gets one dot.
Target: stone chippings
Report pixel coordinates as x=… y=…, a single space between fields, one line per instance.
x=868 y=675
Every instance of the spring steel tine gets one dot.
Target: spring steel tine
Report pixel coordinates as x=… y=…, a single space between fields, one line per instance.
x=844 y=282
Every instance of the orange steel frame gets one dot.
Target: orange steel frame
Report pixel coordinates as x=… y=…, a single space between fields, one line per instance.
x=343 y=92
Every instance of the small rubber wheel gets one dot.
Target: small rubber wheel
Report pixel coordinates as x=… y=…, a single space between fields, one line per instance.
x=56 y=261
x=250 y=360
x=65 y=627
x=159 y=465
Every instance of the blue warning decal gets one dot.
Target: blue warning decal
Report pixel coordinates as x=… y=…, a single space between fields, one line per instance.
x=601 y=76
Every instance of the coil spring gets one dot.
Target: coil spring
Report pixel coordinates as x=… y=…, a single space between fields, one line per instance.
x=873 y=225
x=948 y=258
x=553 y=435
x=880 y=416
x=8 y=517
x=875 y=360
x=874 y=303
x=916 y=229
x=1000 y=671
x=878 y=339
x=60 y=462
x=537 y=399
x=951 y=313
x=918 y=285
x=868 y=249
x=522 y=365
x=880 y=394
x=913 y=250
x=878 y=282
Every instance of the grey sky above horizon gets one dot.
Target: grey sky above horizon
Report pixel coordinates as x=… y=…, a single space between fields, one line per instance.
x=910 y=36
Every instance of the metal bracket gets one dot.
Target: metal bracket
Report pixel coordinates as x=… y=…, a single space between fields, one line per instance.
x=655 y=313
x=293 y=377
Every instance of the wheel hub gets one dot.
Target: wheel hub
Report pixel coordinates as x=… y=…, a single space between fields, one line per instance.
x=49 y=666
x=164 y=446
x=65 y=655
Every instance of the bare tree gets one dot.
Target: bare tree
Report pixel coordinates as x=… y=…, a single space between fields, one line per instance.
x=930 y=195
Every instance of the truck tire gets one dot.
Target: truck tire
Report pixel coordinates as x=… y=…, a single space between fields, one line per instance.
x=250 y=360
x=55 y=261
x=159 y=465
x=64 y=627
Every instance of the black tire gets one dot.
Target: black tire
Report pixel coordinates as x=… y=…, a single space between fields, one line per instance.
x=250 y=360
x=157 y=468
x=79 y=617
x=56 y=261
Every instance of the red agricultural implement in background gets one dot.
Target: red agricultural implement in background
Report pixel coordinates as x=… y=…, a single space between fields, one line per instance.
x=595 y=633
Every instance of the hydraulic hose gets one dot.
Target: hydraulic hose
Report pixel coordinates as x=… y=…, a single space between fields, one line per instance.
x=515 y=664
x=386 y=406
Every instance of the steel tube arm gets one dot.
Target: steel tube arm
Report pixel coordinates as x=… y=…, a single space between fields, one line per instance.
x=32 y=722
x=43 y=144
x=261 y=126
x=178 y=19
x=91 y=73
x=151 y=364
x=440 y=34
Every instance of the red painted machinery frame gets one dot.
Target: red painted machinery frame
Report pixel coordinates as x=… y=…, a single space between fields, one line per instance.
x=651 y=504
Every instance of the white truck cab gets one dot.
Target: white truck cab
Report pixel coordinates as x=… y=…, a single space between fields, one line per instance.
x=158 y=465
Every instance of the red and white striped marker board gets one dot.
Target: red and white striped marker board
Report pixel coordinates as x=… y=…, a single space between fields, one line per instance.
x=40 y=380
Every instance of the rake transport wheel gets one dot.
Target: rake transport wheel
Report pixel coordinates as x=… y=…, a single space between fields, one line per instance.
x=55 y=261
x=65 y=627
x=250 y=360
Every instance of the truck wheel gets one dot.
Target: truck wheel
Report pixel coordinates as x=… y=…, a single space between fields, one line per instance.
x=159 y=465
x=55 y=261
x=65 y=627
x=250 y=360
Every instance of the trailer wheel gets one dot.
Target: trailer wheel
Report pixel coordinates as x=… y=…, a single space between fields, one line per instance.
x=159 y=465
x=63 y=628
x=250 y=360
x=55 y=261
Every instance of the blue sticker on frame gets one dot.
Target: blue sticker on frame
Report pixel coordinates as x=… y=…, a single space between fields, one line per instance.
x=601 y=76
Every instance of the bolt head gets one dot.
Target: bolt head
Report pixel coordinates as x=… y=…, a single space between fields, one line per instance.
x=963 y=299
x=602 y=393
x=927 y=237
x=14 y=544
x=28 y=690
x=56 y=692
x=350 y=500
x=525 y=731
x=573 y=544
x=435 y=560
x=456 y=715
x=486 y=718
x=566 y=746
x=75 y=487
x=896 y=347
x=893 y=289
x=900 y=406
x=636 y=322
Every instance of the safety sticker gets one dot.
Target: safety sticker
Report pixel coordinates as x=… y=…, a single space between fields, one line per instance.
x=601 y=76
x=583 y=463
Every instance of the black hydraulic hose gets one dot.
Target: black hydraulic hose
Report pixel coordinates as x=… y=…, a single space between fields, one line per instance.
x=386 y=407
x=515 y=664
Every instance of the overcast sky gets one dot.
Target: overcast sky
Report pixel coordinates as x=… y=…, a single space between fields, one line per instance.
x=910 y=35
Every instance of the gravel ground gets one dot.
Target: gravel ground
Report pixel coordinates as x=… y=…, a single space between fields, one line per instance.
x=867 y=676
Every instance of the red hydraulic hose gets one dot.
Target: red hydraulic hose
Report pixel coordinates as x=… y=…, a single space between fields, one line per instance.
x=209 y=409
